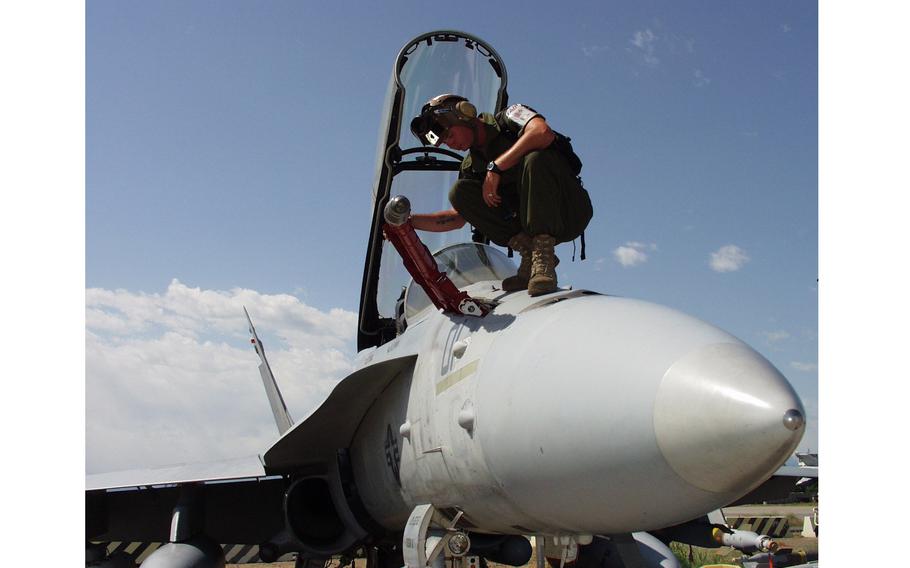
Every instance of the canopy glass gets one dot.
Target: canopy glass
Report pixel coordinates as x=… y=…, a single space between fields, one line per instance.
x=433 y=66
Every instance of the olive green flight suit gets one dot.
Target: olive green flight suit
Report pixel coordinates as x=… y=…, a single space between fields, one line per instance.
x=540 y=194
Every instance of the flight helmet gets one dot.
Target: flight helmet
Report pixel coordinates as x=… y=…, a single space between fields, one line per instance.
x=438 y=115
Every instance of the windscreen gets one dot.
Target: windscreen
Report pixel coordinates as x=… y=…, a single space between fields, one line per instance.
x=433 y=66
x=464 y=264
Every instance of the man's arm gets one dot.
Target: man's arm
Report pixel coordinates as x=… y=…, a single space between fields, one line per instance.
x=537 y=135
x=438 y=222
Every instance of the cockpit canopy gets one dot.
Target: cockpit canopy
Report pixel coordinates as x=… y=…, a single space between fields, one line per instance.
x=429 y=65
x=465 y=264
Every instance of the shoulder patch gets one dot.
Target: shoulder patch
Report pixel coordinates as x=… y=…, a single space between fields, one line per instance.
x=520 y=114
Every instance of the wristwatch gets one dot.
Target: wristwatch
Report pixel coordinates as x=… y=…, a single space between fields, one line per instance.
x=492 y=167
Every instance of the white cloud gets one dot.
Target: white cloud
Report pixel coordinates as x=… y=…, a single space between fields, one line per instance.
x=776 y=336
x=644 y=41
x=729 y=258
x=633 y=253
x=172 y=378
x=591 y=51
x=786 y=28
x=628 y=256
x=804 y=367
x=700 y=79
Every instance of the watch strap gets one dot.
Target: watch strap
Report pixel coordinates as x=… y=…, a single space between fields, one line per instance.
x=492 y=167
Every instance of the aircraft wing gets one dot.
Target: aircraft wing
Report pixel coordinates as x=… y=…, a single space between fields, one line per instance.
x=243 y=505
x=244 y=498
x=242 y=468
x=136 y=505
x=779 y=485
x=797 y=471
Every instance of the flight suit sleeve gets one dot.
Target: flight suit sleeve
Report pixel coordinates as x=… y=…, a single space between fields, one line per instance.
x=516 y=117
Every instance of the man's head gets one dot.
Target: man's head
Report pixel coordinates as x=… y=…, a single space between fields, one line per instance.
x=446 y=119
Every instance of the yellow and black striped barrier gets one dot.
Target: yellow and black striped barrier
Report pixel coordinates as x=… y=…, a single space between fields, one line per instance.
x=773 y=526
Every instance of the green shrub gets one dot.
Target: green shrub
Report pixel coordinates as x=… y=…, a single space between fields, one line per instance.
x=700 y=556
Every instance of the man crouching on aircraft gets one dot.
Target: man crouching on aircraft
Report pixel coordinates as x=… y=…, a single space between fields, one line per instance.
x=518 y=184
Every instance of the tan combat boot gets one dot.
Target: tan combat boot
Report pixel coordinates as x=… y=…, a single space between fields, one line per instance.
x=522 y=244
x=543 y=266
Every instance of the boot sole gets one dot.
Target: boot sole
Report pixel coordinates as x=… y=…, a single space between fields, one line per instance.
x=541 y=289
x=542 y=292
x=514 y=287
x=522 y=284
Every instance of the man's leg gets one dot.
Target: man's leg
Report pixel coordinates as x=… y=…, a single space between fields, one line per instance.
x=554 y=208
x=543 y=266
x=523 y=245
x=499 y=224
x=552 y=201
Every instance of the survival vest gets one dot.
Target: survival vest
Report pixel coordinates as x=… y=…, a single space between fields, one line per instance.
x=512 y=122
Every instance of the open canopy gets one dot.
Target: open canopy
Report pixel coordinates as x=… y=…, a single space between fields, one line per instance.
x=429 y=65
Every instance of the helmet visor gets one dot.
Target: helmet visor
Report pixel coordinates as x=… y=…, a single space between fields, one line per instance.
x=432 y=124
x=427 y=130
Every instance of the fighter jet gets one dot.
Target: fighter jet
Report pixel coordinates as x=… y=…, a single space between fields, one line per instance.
x=474 y=417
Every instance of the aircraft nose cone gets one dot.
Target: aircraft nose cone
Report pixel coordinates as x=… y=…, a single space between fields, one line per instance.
x=722 y=414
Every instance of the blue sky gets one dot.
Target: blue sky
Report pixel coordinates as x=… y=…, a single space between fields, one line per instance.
x=230 y=153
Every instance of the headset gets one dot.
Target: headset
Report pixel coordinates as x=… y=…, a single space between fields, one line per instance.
x=440 y=113
x=464 y=110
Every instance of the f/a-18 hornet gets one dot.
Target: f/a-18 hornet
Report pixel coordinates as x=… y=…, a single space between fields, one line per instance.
x=604 y=426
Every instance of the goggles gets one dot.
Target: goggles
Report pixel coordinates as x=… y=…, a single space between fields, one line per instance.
x=431 y=125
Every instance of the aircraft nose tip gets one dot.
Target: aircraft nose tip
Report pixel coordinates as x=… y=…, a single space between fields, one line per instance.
x=793 y=419
x=725 y=418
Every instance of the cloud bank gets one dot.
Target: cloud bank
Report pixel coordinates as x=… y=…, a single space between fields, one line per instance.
x=172 y=378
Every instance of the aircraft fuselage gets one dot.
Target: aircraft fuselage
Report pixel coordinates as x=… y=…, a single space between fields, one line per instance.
x=572 y=413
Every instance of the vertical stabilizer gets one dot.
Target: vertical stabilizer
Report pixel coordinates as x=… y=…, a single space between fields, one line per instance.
x=279 y=409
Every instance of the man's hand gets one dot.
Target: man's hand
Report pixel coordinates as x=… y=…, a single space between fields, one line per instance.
x=491 y=190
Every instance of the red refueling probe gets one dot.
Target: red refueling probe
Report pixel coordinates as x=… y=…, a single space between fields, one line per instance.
x=421 y=265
